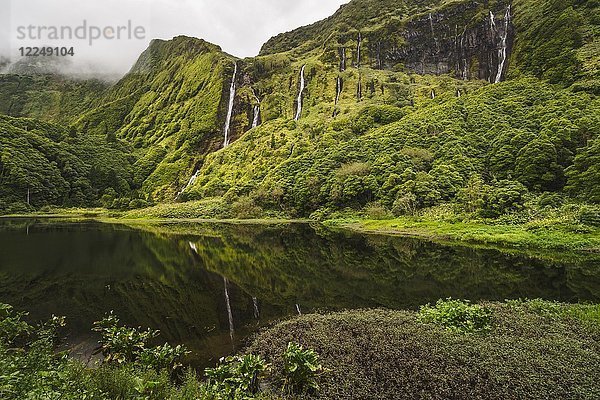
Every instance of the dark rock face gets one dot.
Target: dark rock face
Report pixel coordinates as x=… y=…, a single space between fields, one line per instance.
x=442 y=43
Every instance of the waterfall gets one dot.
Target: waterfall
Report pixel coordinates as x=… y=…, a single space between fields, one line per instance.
x=230 y=107
x=298 y=309
x=338 y=89
x=193 y=247
x=256 y=312
x=358 y=50
x=492 y=22
x=302 y=86
x=432 y=94
x=256 y=118
x=190 y=183
x=228 y=305
x=458 y=93
x=502 y=51
x=343 y=59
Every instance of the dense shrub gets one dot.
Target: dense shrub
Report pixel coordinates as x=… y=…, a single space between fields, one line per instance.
x=459 y=316
x=377 y=354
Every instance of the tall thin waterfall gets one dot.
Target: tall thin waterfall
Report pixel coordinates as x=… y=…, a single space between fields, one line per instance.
x=432 y=94
x=298 y=309
x=358 y=48
x=502 y=51
x=255 y=304
x=338 y=89
x=256 y=118
x=230 y=107
x=302 y=87
x=228 y=305
x=343 y=59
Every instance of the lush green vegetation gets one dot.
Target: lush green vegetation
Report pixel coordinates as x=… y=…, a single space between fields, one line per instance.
x=454 y=349
x=552 y=348
x=382 y=145
x=132 y=368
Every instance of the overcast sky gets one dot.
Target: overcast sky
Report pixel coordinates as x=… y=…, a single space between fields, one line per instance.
x=240 y=27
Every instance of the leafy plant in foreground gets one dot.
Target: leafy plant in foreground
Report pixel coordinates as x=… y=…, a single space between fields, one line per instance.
x=301 y=369
x=237 y=377
x=121 y=344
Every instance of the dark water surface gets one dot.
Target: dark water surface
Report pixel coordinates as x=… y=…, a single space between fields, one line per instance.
x=211 y=286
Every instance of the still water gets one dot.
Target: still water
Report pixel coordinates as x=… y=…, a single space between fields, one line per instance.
x=211 y=286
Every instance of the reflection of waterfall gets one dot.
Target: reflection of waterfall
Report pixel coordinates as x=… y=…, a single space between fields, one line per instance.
x=302 y=86
x=256 y=312
x=502 y=51
x=190 y=183
x=338 y=89
x=230 y=107
x=228 y=304
x=256 y=118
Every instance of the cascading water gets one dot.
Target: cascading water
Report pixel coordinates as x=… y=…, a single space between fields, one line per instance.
x=343 y=59
x=298 y=309
x=193 y=247
x=338 y=89
x=432 y=94
x=228 y=305
x=190 y=183
x=458 y=94
x=256 y=118
x=492 y=22
x=230 y=107
x=502 y=51
x=255 y=304
x=302 y=87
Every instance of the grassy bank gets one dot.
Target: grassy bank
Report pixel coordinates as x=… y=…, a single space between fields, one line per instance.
x=453 y=349
x=526 y=236
x=571 y=227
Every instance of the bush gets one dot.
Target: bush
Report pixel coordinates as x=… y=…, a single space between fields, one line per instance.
x=120 y=345
x=458 y=316
x=301 y=369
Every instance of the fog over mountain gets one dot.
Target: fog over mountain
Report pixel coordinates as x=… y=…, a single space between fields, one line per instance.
x=240 y=27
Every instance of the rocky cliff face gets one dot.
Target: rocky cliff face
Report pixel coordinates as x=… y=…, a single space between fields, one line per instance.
x=441 y=42
x=470 y=40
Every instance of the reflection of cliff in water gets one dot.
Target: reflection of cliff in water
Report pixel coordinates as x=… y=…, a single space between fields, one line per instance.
x=171 y=277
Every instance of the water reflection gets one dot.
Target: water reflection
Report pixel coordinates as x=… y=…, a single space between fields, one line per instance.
x=202 y=284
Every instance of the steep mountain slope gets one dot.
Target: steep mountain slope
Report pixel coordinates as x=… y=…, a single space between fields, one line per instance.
x=402 y=103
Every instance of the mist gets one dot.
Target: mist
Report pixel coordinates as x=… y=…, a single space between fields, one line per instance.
x=240 y=27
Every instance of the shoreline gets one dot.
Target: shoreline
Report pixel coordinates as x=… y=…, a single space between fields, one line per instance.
x=508 y=237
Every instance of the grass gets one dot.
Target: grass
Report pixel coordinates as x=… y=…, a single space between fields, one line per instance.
x=533 y=350
x=559 y=237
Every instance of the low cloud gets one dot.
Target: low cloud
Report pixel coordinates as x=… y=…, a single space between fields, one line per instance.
x=240 y=27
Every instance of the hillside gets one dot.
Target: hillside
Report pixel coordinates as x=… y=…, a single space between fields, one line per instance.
x=401 y=105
